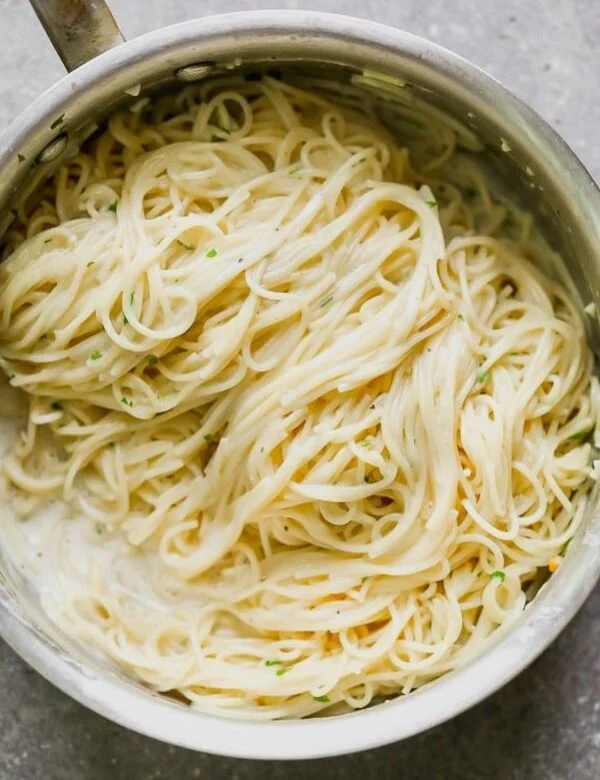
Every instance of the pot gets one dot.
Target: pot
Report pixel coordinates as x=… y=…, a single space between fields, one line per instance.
x=526 y=158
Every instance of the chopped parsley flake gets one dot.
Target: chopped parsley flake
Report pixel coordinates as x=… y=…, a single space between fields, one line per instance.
x=95 y=355
x=126 y=401
x=99 y=528
x=57 y=122
x=366 y=443
x=431 y=203
x=21 y=157
x=364 y=579
x=131 y=297
x=11 y=377
x=580 y=435
x=272 y=663
x=208 y=436
x=212 y=253
x=125 y=320
x=326 y=301
x=565 y=547
x=57 y=406
x=92 y=262
x=184 y=245
x=461 y=317
x=322 y=698
x=296 y=169
x=114 y=206
x=498 y=575
x=152 y=360
x=408 y=120
x=369 y=479
x=483 y=377
x=283 y=670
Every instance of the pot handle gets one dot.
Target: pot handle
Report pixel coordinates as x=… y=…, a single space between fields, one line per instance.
x=79 y=29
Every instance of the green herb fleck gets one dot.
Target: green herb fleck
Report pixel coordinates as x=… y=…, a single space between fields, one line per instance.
x=283 y=670
x=580 y=435
x=369 y=479
x=152 y=360
x=431 y=203
x=95 y=355
x=184 y=245
x=57 y=122
x=272 y=663
x=92 y=262
x=410 y=121
x=366 y=443
x=498 y=575
x=208 y=436
x=57 y=406
x=296 y=169
x=126 y=401
x=99 y=528
x=323 y=699
x=364 y=579
x=326 y=302
x=131 y=297
x=114 y=206
x=212 y=253
x=483 y=377
x=125 y=320
x=565 y=547
x=461 y=317
x=21 y=157
x=11 y=377
x=470 y=193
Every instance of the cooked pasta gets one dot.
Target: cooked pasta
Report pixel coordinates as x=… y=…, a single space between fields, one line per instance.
x=305 y=422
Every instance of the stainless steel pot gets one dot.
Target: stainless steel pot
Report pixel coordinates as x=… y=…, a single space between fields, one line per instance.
x=529 y=159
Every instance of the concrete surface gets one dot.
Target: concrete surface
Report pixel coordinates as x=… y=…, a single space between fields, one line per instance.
x=543 y=726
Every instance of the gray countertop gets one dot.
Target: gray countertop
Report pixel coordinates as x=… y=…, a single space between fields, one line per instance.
x=543 y=726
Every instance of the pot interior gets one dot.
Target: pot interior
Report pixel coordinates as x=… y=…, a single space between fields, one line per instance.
x=526 y=163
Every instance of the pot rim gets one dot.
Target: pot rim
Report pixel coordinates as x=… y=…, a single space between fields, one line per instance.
x=513 y=649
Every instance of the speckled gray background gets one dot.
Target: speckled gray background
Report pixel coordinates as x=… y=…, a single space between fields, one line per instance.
x=543 y=726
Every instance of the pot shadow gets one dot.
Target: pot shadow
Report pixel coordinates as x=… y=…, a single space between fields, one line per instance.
x=545 y=725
